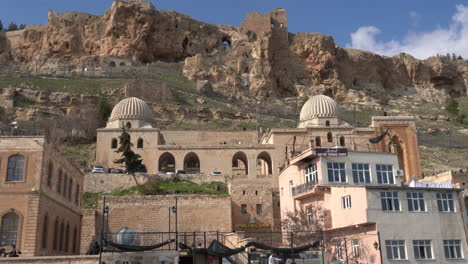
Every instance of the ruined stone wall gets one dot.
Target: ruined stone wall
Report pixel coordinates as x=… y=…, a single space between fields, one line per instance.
x=257 y=22
x=7 y=97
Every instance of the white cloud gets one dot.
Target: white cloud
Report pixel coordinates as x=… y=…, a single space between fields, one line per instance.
x=453 y=39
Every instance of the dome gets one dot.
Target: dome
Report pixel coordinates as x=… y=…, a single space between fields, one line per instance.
x=131 y=108
x=318 y=106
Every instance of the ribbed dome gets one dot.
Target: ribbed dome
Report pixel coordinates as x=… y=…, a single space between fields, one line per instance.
x=318 y=106
x=131 y=108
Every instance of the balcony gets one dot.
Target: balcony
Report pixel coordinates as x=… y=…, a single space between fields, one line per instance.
x=302 y=188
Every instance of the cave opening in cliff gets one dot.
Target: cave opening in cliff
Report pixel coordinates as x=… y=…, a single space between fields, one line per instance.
x=226 y=42
x=185 y=43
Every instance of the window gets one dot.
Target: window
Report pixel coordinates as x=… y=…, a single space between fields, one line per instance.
x=290 y=188
x=59 y=182
x=390 y=201
x=346 y=202
x=415 y=202
x=61 y=237
x=318 y=141
x=70 y=189
x=74 y=242
x=327 y=123
x=140 y=143
x=342 y=141
x=129 y=125
x=309 y=215
x=259 y=209
x=385 y=174
x=65 y=182
x=422 y=249
x=67 y=238
x=114 y=143
x=56 y=233
x=452 y=249
x=355 y=247
x=45 y=228
x=338 y=250
x=329 y=137
x=336 y=172
x=445 y=202
x=311 y=174
x=15 y=168
x=361 y=173
x=243 y=209
x=49 y=174
x=9 y=229
x=77 y=194
x=395 y=249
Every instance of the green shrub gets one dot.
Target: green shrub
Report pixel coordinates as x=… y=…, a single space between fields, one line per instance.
x=452 y=107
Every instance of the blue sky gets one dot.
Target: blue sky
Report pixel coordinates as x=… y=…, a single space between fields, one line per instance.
x=381 y=26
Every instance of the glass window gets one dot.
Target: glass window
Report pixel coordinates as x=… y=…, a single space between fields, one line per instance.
x=259 y=209
x=311 y=174
x=336 y=172
x=309 y=215
x=9 y=229
x=416 y=202
x=384 y=174
x=338 y=250
x=422 y=249
x=361 y=173
x=445 y=202
x=395 y=249
x=452 y=249
x=15 y=168
x=346 y=201
x=243 y=209
x=390 y=201
x=355 y=247
x=45 y=227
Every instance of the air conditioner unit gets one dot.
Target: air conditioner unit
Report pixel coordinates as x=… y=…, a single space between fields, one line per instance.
x=400 y=173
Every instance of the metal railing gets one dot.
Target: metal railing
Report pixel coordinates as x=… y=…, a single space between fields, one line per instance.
x=302 y=188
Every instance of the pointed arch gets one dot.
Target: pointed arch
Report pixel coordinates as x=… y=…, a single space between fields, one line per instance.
x=192 y=163
x=45 y=231
x=56 y=234
x=67 y=238
x=166 y=162
x=399 y=150
x=62 y=230
x=59 y=181
x=240 y=165
x=264 y=164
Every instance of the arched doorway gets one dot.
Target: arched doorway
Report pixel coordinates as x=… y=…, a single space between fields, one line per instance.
x=240 y=165
x=166 y=162
x=264 y=164
x=398 y=149
x=342 y=141
x=192 y=163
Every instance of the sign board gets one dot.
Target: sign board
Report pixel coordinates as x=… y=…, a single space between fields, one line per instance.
x=331 y=152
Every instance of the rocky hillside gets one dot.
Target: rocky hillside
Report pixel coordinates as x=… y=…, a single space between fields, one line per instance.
x=260 y=58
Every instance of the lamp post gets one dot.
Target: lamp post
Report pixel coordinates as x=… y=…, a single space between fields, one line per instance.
x=174 y=210
x=377 y=246
x=105 y=212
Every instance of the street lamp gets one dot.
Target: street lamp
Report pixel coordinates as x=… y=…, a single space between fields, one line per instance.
x=174 y=211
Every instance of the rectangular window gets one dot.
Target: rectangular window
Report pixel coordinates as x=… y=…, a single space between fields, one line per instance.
x=338 y=250
x=416 y=202
x=361 y=173
x=309 y=215
x=445 y=202
x=311 y=174
x=336 y=172
x=384 y=174
x=346 y=201
x=390 y=201
x=259 y=209
x=355 y=248
x=422 y=249
x=243 y=209
x=291 y=188
x=452 y=249
x=395 y=249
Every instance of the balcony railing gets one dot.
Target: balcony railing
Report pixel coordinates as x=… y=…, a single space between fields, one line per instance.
x=302 y=188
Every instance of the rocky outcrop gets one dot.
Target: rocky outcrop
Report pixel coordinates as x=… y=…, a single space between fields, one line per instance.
x=260 y=58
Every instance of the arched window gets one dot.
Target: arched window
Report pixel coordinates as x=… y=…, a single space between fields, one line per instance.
x=166 y=162
x=318 y=141
x=56 y=234
x=67 y=238
x=75 y=238
x=192 y=163
x=49 y=174
x=77 y=194
x=114 y=143
x=61 y=236
x=240 y=164
x=264 y=164
x=9 y=229
x=126 y=236
x=140 y=143
x=59 y=182
x=327 y=123
x=329 y=137
x=65 y=182
x=15 y=168
x=45 y=229
x=70 y=189
x=128 y=125
x=342 y=141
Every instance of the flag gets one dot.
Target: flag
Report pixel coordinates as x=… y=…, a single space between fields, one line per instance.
x=379 y=138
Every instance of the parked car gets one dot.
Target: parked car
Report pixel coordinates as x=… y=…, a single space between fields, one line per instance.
x=170 y=173
x=116 y=171
x=181 y=172
x=216 y=173
x=98 y=169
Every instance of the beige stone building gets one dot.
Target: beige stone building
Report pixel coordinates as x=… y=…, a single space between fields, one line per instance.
x=40 y=197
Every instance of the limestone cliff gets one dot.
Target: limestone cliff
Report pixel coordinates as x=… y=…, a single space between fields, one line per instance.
x=260 y=58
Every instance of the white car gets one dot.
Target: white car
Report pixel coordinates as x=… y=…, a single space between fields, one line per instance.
x=98 y=169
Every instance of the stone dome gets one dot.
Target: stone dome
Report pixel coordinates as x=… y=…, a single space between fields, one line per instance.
x=132 y=108
x=319 y=106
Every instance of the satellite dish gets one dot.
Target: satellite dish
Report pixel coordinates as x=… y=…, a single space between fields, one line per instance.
x=14 y=123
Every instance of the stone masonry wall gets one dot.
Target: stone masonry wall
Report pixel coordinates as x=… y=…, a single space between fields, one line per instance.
x=52 y=260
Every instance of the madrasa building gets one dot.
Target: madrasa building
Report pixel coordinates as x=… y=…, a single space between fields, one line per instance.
x=250 y=162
